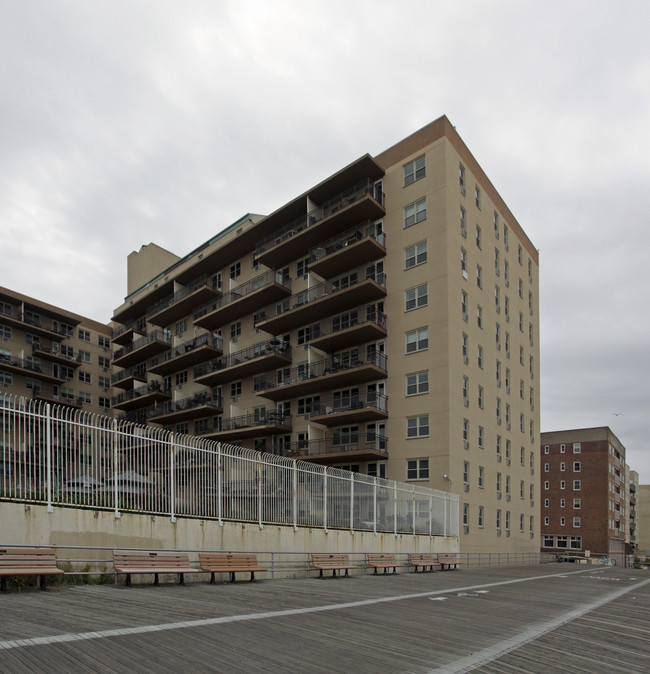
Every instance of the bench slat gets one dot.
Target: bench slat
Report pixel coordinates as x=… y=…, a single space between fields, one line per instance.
x=229 y=562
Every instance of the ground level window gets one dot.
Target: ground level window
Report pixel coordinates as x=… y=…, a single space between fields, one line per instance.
x=549 y=541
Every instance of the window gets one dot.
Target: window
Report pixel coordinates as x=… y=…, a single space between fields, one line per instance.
x=417 y=383
x=235 y=270
x=562 y=466
x=85 y=398
x=479 y=276
x=235 y=331
x=546 y=503
x=302 y=267
x=576 y=504
x=84 y=335
x=463 y=223
x=180 y=327
x=549 y=541
x=498 y=520
x=415 y=255
x=417 y=340
x=235 y=388
x=507 y=520
x=481 y=437
x=104 y=361
x=418 y=426
x=575 y=542
x=576 y=485
x=576 y=522
x=562 y=484
x=308 y=405
x=105 y=403
x=415 y=298
x=497 y=298
x=498 y=336
x=506 y=272
x=481 y=397
x=519 y=254
x=477 y=196
x=576 y=448
x=465 y=344
x=480 y=517
x=576 y=466
x=479 y=317
x=104 y=342
x=481 y=477
x=479 y=358
x=463 y=305
x=546 y=523
x=466 y=433
x=181 y=378
x=466 y=473
x=84 y=377
x=562 y=521
x=414 y=213
x=546 y=484
x=414 y=170
x=83 y=356
x=546 y=449
x=463 y=262
x=562 y=449
x=104 y=382
x=496 y=225
x=461 y=178
x=466 y=516
x=478 y=237
x=417 y=469
x=5 y=332
x=466 y=391
x=562 y=503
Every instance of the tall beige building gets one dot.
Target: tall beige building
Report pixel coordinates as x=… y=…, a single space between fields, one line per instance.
x=384 y=321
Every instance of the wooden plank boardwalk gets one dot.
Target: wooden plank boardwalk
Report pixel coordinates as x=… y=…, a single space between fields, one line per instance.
x=548 y=618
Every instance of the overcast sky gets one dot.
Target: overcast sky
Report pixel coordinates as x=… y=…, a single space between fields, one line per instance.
x=126 y=122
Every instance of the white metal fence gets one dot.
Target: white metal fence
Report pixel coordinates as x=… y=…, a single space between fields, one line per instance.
x=57 y=455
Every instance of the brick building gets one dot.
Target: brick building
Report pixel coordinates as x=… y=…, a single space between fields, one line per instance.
x=584 y=491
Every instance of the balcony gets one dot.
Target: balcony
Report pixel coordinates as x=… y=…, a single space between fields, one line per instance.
x=194 y=407
x=357 y=447
x=34 y=326
x=46 y=394
x=125 y=334
x=355 y=246
x=141 y=397
x=53 y=353
x=180 y=304
x=128 y=378
x=357 y=204
x=248 y=426
x=354 y=327
x=355 y=288
x=245 y=363
x=186 y=355
x=328 y=374
x=632 y=500
x=27 y=368
x=242 y=300
x=143 y=348
x=337 y=410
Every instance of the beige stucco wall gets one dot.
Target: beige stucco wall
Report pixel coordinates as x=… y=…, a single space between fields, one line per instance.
x=643 y=519
x=33 y=525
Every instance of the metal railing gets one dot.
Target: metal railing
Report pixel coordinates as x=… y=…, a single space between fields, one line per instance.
x=346 y=198
x=194 y=285
x=155 y=336
x=54 y=455
x=350 y=236
x=265 y=348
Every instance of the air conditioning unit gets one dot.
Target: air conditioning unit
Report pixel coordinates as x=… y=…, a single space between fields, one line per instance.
x=507 y=497
x=465 y=275
x=498 y=532
x=466 y=402
x=466 y=444
x=507 y=532
x=466 y=529
x=234 y=399
x=499 y=495
x=466 y=360
x=462 y=190
x=466 y=486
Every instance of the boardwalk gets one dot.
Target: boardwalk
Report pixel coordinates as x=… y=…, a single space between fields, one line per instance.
x=547 y=618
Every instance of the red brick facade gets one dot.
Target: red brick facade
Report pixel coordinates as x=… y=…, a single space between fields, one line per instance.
x=582 y=492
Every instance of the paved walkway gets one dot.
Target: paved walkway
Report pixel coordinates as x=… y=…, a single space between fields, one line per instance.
x=550 y=618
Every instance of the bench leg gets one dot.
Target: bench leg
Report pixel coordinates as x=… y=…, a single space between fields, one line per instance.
x=41 y=582
x=212 y=577
x=385 y=569
x=252 y=580
x=128 y=580
x=156 y=581
x=320 y=575
x=394 y=569
x=4 y=584
x=375 y=571
x=232 y=576
x=181 y=579
x=346 y=574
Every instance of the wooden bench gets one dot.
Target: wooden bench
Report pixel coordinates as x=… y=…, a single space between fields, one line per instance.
x=423 y=559
x=333 y=561
x=447 y=559
x=28 y=561
x=152 y=561
x=382 y=561
x=229 y=562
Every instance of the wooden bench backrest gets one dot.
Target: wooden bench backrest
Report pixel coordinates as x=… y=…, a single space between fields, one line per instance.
x=419 y=557
x=28 y=558
x=447 y=557
x=227 y=560
x=380 y=557
x=332 y=560
x=150 y=559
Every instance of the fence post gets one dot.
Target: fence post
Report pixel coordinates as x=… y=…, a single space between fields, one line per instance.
x=395 y=508
x=259 y=490
x=325 y=499
x=294 y=500
x=430 y=515
x=351 y=502
x=219 y=484
x=413 y=502
x=172 y=477
x=48 y=451
x=374 y=506
x=117 y=512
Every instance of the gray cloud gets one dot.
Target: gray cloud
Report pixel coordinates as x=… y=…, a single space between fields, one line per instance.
x=125 y=123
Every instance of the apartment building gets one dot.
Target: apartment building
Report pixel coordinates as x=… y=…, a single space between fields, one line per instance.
x=384 y=321
x=53 y=355
x=584 y=492
x=632 y=511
